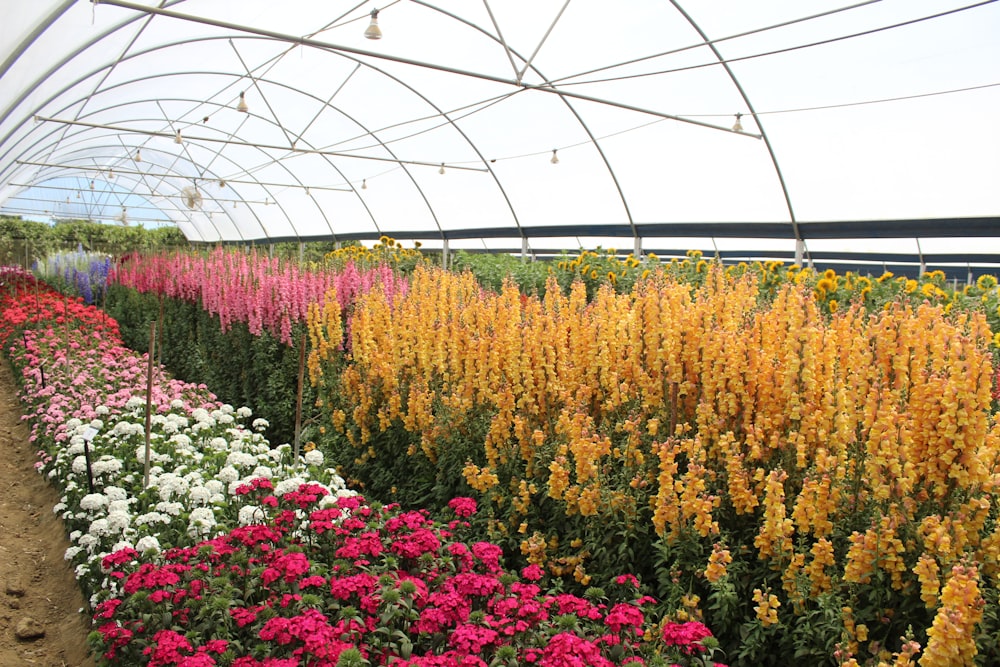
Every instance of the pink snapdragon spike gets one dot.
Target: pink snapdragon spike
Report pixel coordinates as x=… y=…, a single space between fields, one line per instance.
x=265 y=293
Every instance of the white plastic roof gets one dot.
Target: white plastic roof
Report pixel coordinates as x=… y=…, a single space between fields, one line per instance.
x=875 y=119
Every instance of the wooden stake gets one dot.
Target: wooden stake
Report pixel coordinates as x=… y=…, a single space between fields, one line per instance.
x=69 y=371
x=298 y=398
x=104 y=304
x=149 y=402
x=159 y=335
x=86 y=458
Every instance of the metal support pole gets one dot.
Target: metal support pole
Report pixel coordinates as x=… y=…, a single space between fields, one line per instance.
x=444 y=255
x=800 y=251
x=637 y=247
x=524 y=249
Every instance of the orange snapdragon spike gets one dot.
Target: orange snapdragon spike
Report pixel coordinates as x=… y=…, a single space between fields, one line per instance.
x=703 y=404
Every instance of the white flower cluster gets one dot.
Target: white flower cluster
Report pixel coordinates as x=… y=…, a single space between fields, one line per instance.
x=198 y=459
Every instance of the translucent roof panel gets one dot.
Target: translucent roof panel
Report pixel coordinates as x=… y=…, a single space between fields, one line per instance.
x=780 y=129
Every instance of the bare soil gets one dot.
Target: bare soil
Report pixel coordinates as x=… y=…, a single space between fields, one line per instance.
x=38 y=592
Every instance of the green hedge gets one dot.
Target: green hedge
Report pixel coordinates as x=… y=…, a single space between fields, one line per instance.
x=239 y=367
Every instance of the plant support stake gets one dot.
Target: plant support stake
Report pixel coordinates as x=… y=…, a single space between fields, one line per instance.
x=298 y=398
x=86 y=458
x=149 y=402
x=159 y=335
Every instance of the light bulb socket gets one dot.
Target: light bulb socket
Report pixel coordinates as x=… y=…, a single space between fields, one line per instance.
x=373 y=31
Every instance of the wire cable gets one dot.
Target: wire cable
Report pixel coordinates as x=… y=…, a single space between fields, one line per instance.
x=788 y=49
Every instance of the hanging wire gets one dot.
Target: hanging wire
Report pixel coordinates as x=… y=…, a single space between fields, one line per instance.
x=773 y=52
x=757 y=113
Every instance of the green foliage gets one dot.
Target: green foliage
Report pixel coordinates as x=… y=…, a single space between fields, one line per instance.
x=23 y=242
x=239 y=367
x=492 y=270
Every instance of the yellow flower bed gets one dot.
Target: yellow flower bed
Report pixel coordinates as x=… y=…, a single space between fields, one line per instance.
x=821 y=449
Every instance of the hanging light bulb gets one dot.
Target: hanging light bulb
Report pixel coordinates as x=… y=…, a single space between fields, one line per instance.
x=738 y=126
x=78 y=196
x=441 y=170
x=178 y=139
x=242 y=106
x=364 y=183
x=91 y=185
x=138 y=155
x=222 y=184
x=555 y=158
x=373 y=31
x=307 y=191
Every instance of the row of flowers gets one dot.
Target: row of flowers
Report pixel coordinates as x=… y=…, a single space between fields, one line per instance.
x=461 y=371
x=265 y=293
x=232 y=553
x=80 y=272
x=811 y=484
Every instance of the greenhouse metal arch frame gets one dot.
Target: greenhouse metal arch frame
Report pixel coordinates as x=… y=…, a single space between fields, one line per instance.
x=880 y=145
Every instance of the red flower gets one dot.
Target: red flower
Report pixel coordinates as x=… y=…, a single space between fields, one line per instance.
x=687 y=635
x=624 y=615
x=463 y=507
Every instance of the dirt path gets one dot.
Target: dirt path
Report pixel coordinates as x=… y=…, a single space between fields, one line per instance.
x=36 y=584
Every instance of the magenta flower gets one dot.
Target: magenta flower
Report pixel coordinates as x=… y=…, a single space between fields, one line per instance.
x=687 y=635
x=463 y=507
x=624 y=615
x=568 y=650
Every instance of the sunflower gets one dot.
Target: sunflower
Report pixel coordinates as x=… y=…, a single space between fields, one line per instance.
x=986 y=281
